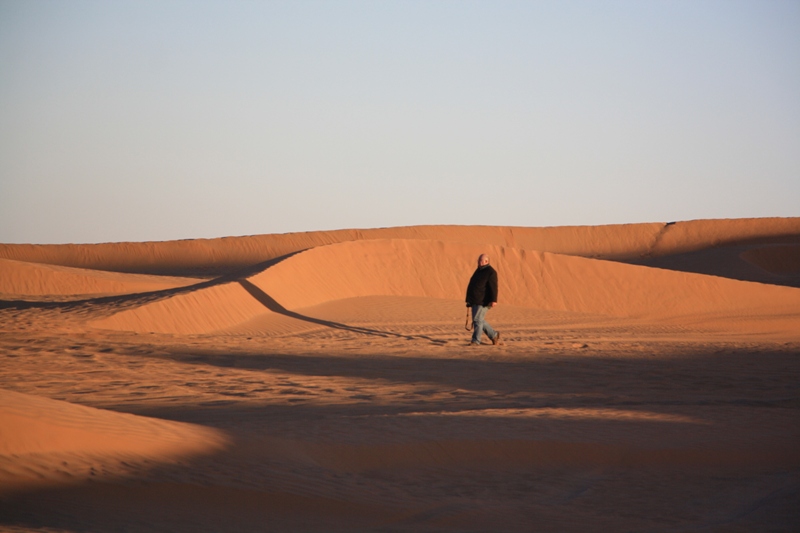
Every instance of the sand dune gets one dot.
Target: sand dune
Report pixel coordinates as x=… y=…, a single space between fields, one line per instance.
x=530 y=279
x=21 y=279
x=38 y=425
x=39 y=436
x=201 y=311
x=212 y=257
x=323 y=381
x=435 y=269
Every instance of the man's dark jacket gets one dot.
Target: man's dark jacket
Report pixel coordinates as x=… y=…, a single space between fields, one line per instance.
x=482 y=288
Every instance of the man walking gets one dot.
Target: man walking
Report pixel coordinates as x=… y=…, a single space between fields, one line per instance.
x=481 y=296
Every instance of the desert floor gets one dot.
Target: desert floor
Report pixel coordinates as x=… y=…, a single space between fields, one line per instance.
x=264 y=396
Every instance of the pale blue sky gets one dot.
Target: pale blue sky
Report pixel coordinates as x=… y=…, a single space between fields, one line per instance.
x=137 y=120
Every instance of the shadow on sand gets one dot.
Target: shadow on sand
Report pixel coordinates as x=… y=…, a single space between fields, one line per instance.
x=267 y=301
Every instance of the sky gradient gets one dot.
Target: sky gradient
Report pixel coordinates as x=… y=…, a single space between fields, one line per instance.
x=139 y=120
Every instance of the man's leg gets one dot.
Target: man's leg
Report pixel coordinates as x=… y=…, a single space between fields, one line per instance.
x=487 y=328
x=478 y=314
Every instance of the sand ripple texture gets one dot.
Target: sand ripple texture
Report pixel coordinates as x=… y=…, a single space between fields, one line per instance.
x=323 y=381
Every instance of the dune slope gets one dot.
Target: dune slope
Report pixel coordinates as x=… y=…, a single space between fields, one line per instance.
x=37 y=435
x=200 y=311
x=435 y=269
x=529 y=279
x=22 y=279
x=212 y=257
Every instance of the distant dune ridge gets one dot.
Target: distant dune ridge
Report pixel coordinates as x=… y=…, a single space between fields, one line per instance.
x=223 y=255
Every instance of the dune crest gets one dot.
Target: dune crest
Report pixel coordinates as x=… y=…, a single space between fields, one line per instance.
x=199 y=311
x=528 y=279
x=213 y=257
x=436 y=269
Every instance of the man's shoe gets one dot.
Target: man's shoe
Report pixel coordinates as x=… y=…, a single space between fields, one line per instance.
x=473 y=343
x=496 y=339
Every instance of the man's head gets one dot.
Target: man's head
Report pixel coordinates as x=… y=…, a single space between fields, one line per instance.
x=483 y=260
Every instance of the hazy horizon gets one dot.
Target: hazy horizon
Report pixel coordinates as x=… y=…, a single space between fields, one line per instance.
x=149 y=121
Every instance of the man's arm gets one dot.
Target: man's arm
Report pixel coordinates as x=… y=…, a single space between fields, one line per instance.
x=491 y=289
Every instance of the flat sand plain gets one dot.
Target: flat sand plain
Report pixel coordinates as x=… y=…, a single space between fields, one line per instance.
x=649 y=381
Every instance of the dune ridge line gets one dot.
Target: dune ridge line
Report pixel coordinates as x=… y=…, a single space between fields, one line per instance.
x=437 y=269
x=212 y=257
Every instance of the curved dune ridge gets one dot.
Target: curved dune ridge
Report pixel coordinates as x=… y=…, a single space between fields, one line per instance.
x=436 y=269
x=224 y=255
x=529 y=279
x=21 y=279
x=201 y=311
x=46 y=431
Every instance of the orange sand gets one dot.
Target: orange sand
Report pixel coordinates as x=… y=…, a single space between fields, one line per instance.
x=23 y=280
x=322 y=381
x=39 y=436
